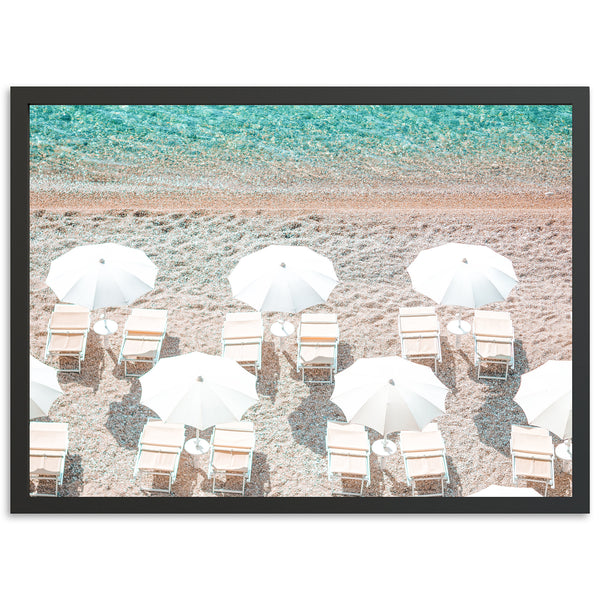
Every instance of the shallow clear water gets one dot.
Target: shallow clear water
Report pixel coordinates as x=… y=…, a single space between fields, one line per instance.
x=269 y=147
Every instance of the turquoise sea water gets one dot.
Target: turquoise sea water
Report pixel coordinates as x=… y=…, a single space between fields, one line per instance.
x=288 y=147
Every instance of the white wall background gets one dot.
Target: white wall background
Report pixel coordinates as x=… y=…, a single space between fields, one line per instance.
x=303 y=43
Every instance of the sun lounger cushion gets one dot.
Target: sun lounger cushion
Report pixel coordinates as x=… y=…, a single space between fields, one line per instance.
x=319 y=332
x=243 y=316
x=416 y=324
x=146 y=321
x=140 y=348
x=532 y=443
x=236 y=330
x=532 y=467
x=167 y=435
x=44 y=464
x=230 y=460
x=348 y=464
x=415 y=311
x=242 y=353
x=426 y=346
x=70 y=320
x=496 y=328
x=321 y=355
x=318 y=318
x=425 y=466
x=66 y=343
x=347 y=438
x=231 y=436
x=498 y=350
x=157 y=459
x=48 y=436
x=421 y=441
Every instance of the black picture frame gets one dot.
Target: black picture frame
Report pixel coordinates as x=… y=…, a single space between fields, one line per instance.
x=23 y=97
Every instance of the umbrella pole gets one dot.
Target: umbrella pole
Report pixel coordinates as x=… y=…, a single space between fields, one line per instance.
x=459 y=318
x=197 y=439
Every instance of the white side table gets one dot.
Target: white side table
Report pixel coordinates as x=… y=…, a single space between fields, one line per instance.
x=459 y=328
x=197 y=448
x=382 y=449
x=564 y=454
x=282 y=329
x=104 y=328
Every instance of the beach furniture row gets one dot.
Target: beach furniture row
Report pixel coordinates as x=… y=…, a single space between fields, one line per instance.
x=348 y=456
x=317 y=339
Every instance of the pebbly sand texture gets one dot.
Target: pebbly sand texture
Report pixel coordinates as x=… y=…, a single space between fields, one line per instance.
x=196 y=245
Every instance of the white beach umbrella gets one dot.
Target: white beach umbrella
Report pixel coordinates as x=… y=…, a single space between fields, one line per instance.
x=389 y=394
x=545 y=395
x=283 y=279
x=199 y=390
x=101 y=275
x=43 y=388
x=463 y=275
x=505 y=490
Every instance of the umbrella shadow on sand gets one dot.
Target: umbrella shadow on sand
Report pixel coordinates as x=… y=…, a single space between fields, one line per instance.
x=308 y=421
x=496 y=416
x=268 y=376
x=126 y=419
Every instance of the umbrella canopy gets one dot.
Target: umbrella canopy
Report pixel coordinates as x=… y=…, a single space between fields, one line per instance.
x=505 y=490
x=389 y=394
x=283 y=279
x=462 y=275
x=545 y=395
x=101 y=275
x=199 y=390
x=43 y=388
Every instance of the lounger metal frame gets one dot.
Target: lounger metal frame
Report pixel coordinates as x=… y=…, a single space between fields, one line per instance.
x=80 y=356
x=331 y=476
x=301 y=366
x=172 y=475
x=533 y=456
x=58 y=478
x=159 y=337
x=256 y=365
x=412 y=481
x=479 y=361
x=408 y=335
x=213 y=472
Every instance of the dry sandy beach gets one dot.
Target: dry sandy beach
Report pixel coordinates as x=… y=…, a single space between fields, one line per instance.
x=371 y=242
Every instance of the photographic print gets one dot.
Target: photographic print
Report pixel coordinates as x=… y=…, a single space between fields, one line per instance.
x=300 y=299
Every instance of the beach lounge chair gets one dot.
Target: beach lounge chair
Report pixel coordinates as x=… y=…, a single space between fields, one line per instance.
x=532 y=455
x=67 y=334
x=231 y=450
x=159 y=449
x=348 y=453
x=143 y=335
x=424 y=455
x=318 y=337
x=419 y=330
x=494 y=342
x=242 y=338
x=48 y=445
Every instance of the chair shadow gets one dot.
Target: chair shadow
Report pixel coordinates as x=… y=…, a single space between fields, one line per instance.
x=170 y=346
x=73 y=476
x=92 y=365
x=521 y=366
x=446 y=371
x=268 y=377
x=126 y=419
x=454 y=486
